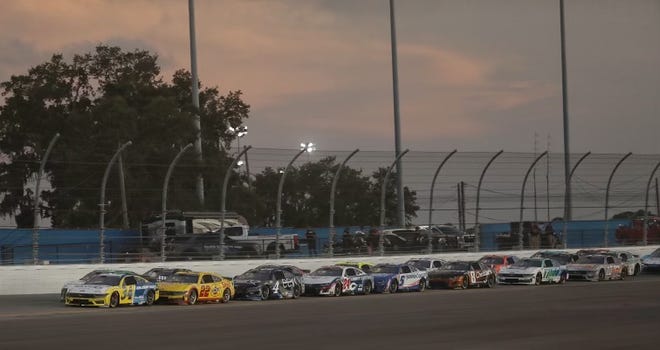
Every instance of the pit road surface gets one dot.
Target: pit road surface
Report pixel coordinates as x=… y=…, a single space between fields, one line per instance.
x=576 y=315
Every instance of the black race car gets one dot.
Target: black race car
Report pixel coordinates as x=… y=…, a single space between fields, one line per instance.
x=267 y=283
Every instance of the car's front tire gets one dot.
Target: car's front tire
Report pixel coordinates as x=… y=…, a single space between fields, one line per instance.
x=538 y=279
x=422 y=285
x=394 y=286
x=192 y=297
x=114 y=300
x=366 y=290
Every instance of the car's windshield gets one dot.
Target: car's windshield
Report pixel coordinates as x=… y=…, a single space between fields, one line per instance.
x=106 y=280
x=327 y=271
x=183 y=278
x=420 y=264
x=524 y=263
x=590 y=260
x=385 y=269
x=458 y=265
x=259 y=275
x=493 y=260
x=656 y=253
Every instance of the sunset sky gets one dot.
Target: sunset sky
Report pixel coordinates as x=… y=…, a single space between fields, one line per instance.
x=475 y=75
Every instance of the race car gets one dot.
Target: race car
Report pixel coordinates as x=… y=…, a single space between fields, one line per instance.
x=596 y=268
x=632 y=261
x=497 y=262
x=158 y=274
x=112 y=290
x=267 y=283
x=426 y=264
x=651 y=262
x=364 y=266
x=89 y=276
x=194 y=287
x=462 y=275
x=533 y=271
x=398 y=277
x=338 y=280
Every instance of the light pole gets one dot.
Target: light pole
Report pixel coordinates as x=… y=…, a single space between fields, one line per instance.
x=224 y=200
x=477 y=228
x=383 y=188
x=435 y=176
x=195 y=99
x=331 y=248
x=397 y=120
x=304 y=147
x=35 y=225
x=164 y=199
x=522 y=198
x=570 y=176
x=102 y=202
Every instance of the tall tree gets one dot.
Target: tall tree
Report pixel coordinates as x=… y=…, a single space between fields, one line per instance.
x=97 y=101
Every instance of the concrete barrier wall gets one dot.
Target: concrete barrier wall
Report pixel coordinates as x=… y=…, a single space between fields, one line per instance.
x=44 y=279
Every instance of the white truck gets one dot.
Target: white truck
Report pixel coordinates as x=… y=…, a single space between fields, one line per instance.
x=196 y=235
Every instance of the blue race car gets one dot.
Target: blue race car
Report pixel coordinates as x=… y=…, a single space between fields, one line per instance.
x=395 y=277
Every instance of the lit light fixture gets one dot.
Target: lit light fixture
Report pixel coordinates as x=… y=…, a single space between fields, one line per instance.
x=308 y=147
x=239 y=131
x=240 y=163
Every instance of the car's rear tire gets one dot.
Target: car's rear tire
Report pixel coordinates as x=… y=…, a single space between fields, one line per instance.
x=490 y=283
x=562 y=278
x=624 y=273
x=296 y=291
x=538 y=279
x=114 y=300
x=465 y=282
x=394 y=286
x=337 y=290
x=366 y=290
x=265 y=293
x=601 y=275
x=226 y=296
x=151 y=298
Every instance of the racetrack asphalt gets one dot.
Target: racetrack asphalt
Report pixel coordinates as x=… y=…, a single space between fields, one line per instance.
x=576 y=315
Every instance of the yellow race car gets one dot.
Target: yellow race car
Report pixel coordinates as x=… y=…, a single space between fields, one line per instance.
x=112 y=290
x=193 y=287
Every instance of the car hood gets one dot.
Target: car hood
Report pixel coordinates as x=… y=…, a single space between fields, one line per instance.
x=382 y=276
x=519 y=270
x=89 y=289
x=73 y=283
x=247 y=283
x=583 y=266
x=173 y=287
x=651 y=260
x=447 y=273
x=319 y=279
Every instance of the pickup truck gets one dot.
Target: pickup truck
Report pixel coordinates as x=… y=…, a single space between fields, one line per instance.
x=197 y=236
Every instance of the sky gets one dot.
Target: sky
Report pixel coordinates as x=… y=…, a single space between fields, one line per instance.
x=474 y=75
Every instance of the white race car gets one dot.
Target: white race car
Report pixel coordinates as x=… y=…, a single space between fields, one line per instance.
x=533 y=271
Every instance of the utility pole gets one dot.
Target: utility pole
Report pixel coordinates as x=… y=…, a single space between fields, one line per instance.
x=397 y=121
x=195 y=101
